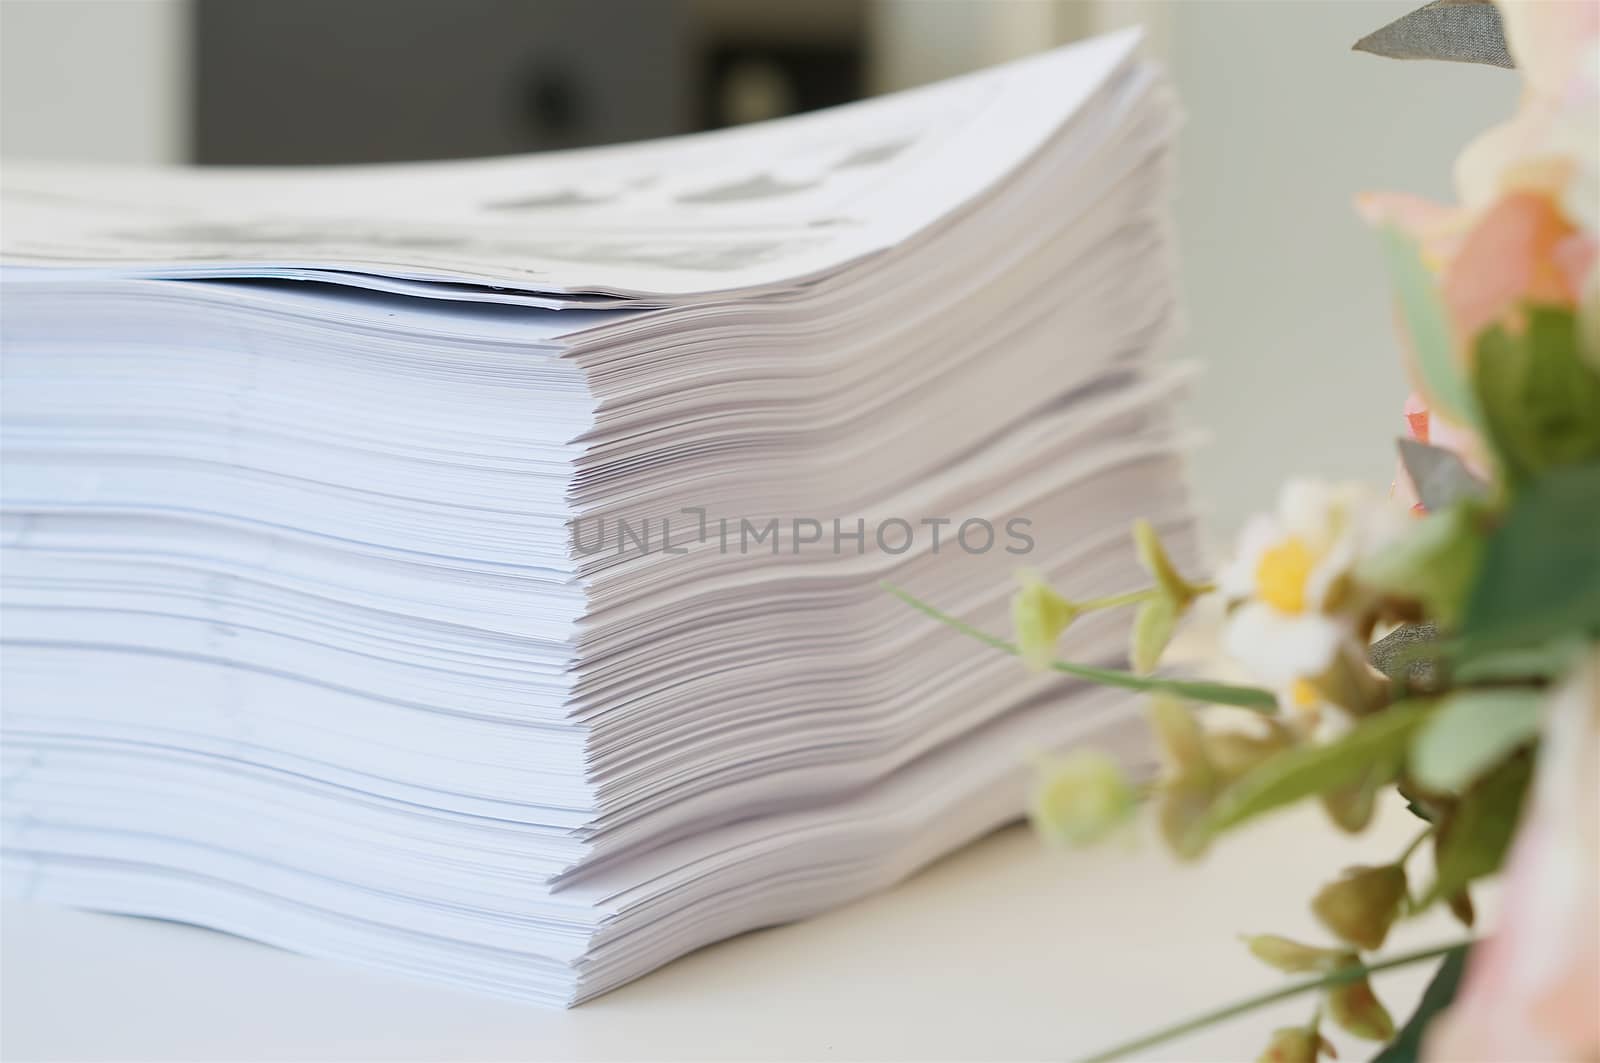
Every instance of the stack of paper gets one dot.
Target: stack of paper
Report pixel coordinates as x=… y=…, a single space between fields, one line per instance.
x=475 y=569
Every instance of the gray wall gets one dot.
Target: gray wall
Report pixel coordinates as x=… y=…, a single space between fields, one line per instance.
x=1287 y=299
x=94 y=80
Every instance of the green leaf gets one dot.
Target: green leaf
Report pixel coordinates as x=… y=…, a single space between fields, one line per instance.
x=1194 y=689
x=1473 y=842
x=1407 y=1045
x=1540 y=401
x=1544 y=662
x=1428 y=326
x=1540 y=575
x=1440 y=476
x=1471 y=732
x=1305 y=770
x=1433 y=562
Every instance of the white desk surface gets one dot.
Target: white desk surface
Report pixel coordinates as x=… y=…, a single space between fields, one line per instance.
x=1002 y=951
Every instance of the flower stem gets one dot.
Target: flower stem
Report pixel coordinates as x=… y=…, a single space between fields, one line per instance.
x=1111 y=601
x=1195 y=689
x=1332 y=979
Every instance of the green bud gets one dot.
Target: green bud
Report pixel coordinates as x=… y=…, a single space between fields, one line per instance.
x=1153 y=625
x=1292 y=1044
x=1038 y=617
x=1081 y=798
x=1362 y=904
x=1357 y=1011
x=1292 y=957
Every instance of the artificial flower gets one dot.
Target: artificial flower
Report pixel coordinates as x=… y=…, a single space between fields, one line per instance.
x=1530 y=988
x=1299 y=619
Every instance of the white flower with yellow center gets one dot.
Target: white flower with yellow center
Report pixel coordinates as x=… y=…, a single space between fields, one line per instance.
x=1296 y=608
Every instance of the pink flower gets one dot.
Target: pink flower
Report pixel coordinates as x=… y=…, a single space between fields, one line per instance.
x=1531 y=989
x=1521 y=249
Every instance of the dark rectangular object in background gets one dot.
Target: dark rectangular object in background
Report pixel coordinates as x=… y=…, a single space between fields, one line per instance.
x=326 y=81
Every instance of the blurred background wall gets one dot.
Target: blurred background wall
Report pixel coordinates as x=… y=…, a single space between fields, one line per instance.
x=1287 y=302
x=95 y=81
